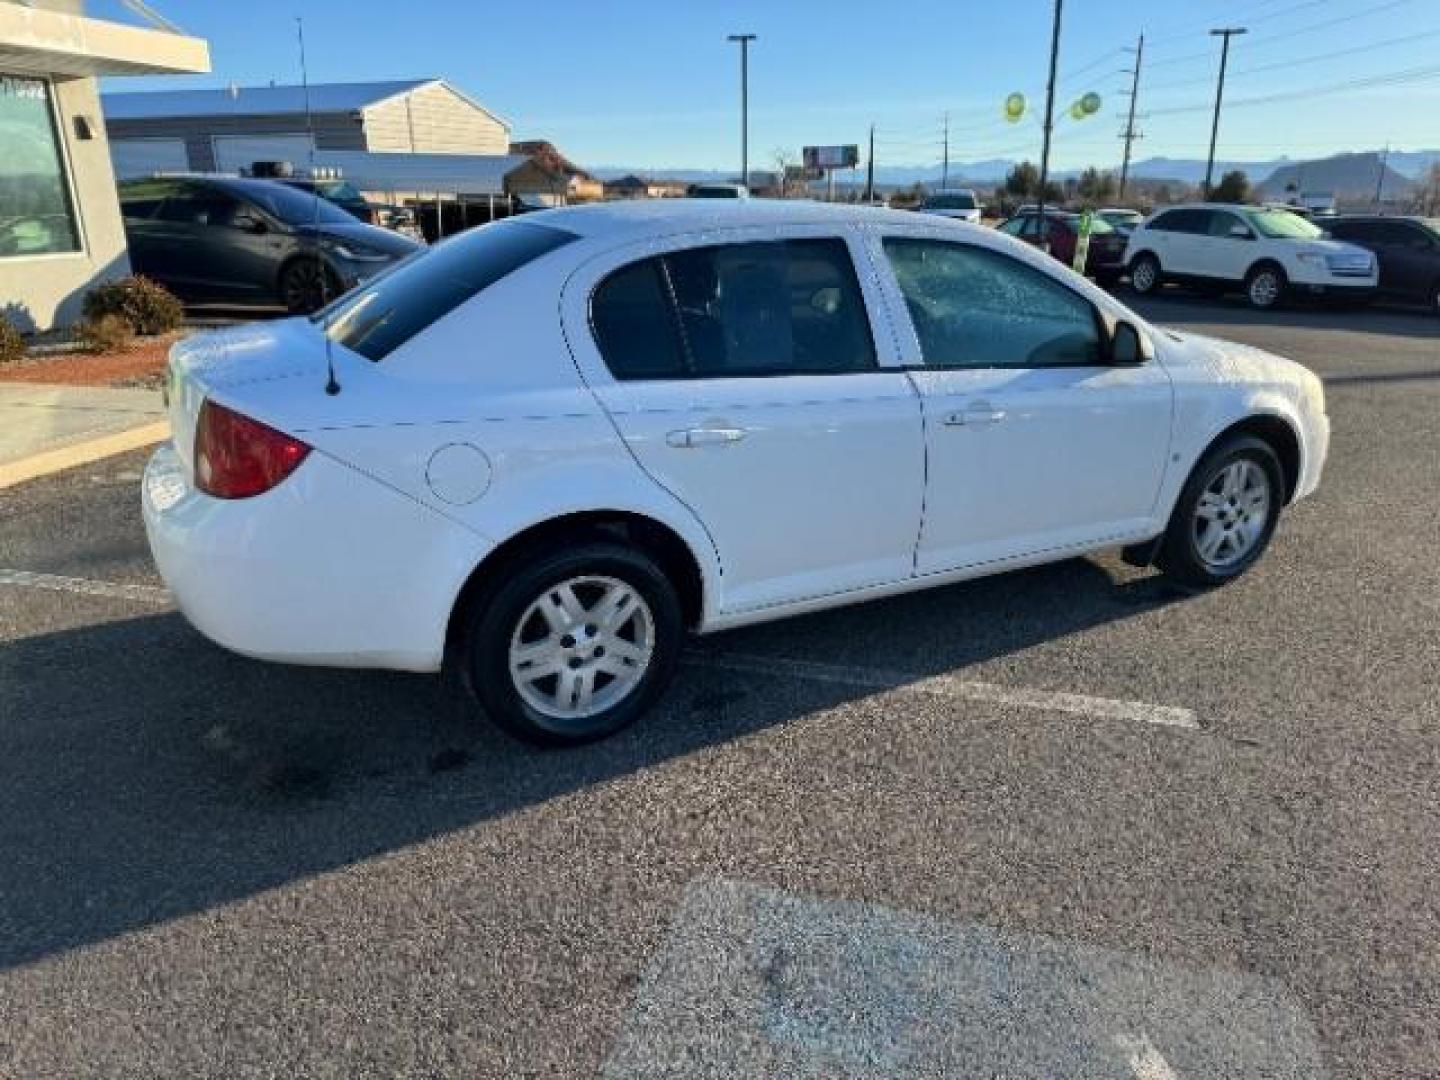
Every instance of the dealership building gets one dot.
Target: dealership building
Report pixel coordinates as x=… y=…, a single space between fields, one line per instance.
x=60 y=229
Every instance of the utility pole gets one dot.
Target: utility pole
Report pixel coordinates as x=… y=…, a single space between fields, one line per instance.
x=1227 y=33
x=744 y=40
x=1049 y=124
x=945 y=163
x=1380 y=175
x=1130 y=134
x=870 y=168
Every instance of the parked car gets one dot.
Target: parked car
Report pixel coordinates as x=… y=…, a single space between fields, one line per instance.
x=224 y=239
x=717 y=191
x=340 y=192
x=1121 y=220
x=1269 y=254
x=958 y=203
x=561 y=442
x=1407 y=249
x=1104 y=260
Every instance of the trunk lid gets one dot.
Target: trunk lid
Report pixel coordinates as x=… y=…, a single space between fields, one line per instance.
x=219 y=362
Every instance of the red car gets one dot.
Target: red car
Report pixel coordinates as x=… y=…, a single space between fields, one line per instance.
x=1105 y=259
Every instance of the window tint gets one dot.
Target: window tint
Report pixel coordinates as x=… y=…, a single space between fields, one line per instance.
x=1013 y=226
x=1182 y=221
x=791 y=307
x=379 y=317
x=974 y=308
x=140 y=200
x=635 y=326
x=35 y=213
x=298 y=208
x=199 y=206
x=1221 y=223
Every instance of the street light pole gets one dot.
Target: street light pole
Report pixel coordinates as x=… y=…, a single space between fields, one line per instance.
x=1049 y=123
x=1130 y=133
x=1226 y=33
x=744 y=40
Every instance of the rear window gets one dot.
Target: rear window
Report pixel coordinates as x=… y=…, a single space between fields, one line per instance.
x=378 y=318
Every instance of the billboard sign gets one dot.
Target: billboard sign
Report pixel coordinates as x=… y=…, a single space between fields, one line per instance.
x=831 y=157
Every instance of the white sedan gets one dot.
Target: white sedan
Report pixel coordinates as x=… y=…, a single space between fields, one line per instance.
x=540 y=453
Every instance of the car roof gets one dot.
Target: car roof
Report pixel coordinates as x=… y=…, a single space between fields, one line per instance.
x=641 y=218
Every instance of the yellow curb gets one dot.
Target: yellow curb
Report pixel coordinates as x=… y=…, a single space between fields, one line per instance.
x=67 y=457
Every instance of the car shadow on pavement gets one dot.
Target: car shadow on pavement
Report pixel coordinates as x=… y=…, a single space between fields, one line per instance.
x=146 y=775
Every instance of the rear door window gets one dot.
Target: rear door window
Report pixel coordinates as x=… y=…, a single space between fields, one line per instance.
x=378 y=318
x=791 y=307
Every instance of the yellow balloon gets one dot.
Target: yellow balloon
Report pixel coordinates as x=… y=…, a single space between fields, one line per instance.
x=1077 y=111
x=1014 y=107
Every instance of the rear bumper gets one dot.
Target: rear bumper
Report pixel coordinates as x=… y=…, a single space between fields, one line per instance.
x=329 y=568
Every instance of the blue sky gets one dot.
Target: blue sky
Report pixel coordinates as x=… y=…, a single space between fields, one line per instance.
x=655 y=84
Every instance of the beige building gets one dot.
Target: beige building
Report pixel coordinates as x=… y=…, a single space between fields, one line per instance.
x=60 y=228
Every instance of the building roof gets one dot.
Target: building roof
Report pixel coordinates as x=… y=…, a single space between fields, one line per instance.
x=254 y=100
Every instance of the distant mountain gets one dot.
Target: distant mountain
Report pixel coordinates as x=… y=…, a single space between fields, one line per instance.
x=986 y=172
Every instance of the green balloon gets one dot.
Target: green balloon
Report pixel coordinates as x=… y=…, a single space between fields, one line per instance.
x=1014 y=107
x=1090 y=103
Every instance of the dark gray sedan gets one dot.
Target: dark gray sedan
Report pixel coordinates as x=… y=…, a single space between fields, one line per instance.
x=231 y=240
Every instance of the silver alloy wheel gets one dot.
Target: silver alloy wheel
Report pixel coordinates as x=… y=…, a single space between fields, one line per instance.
x=582 y=647
x=1143 y=276
x=1265 y=289
x=1231 y=514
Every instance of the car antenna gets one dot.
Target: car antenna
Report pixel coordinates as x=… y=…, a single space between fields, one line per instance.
x=332 y=386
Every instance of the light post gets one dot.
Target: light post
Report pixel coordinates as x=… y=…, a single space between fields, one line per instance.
x=744 y=41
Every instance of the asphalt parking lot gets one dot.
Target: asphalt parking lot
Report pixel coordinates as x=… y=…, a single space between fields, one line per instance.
x=1060 y=823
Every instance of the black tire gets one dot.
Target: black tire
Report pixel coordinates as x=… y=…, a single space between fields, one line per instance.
x=494 y=621
x=305 y=286
x=1265 y=286
x=1145 y=275
x=1180 y=557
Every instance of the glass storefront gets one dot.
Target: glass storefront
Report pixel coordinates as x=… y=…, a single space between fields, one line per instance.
x=36 y=215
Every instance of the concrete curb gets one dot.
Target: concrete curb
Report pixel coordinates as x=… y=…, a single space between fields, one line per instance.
x=67 y=457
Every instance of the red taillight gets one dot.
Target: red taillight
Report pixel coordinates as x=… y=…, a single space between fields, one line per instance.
x=236 y=457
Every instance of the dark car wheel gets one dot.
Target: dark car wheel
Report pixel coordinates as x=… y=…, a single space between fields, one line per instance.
x=1145 y=277
x=572 y=645
x=306 y=286
x=1265 y=286
x=1225 y=516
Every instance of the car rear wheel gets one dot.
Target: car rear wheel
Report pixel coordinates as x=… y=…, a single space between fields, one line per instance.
x=1145 y=274
x=1225 y=516
x=1265 y=286
x=572 y=645
x=306 y=286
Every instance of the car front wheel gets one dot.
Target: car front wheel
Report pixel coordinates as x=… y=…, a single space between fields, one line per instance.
x=1265 y=286
x=572 y=645
x=306 y=286
x=1225 y=516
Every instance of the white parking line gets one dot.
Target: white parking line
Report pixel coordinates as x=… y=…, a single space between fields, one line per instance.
x=953 y=686
x=145 y=594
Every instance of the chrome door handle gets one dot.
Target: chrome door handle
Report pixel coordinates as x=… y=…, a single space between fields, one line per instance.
x=975 y=416
x=695 y=437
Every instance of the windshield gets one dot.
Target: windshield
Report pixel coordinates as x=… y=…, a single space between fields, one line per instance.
x=951 y=202
x=296 y=208
x=339 y=191
x=1283 y=225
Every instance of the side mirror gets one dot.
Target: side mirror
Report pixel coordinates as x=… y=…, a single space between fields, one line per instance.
x=1240 y=232
x=1127 y=347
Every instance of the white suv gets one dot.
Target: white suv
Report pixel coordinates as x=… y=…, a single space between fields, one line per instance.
x=957 y=203
x=1266 y=252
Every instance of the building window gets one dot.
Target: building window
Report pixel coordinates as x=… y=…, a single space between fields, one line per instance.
x=36 y=217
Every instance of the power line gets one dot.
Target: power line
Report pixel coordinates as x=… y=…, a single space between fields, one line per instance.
x=1130 y=134
x=1393 y=79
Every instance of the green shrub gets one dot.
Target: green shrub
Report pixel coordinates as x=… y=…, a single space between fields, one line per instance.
x=148 y=308
x=12 y=345
x=108 y=333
